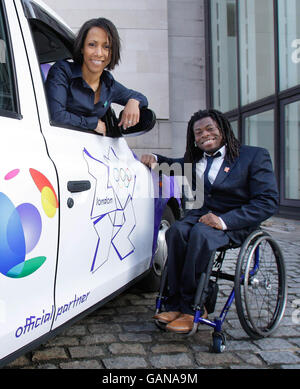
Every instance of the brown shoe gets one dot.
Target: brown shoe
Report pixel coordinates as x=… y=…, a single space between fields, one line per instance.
x=184 y=324
x=166 y=317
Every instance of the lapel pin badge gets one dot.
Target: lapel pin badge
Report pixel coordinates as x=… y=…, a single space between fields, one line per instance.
x=226 y=169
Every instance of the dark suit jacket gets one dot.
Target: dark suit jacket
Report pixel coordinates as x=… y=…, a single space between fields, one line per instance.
x=244 y=192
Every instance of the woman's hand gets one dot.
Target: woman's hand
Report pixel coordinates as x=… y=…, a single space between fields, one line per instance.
x=101 y=128
x=131 y=114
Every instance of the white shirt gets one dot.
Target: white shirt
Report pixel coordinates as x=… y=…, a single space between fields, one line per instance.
x=213 y=171
x=215 y=167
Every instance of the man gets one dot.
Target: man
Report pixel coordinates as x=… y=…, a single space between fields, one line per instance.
x=240 y=192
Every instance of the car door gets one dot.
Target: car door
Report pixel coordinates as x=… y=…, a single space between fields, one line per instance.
x=106 y=206
x=28 y=200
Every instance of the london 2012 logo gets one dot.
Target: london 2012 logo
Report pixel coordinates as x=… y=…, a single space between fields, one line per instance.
x=112 y=214
x=21 y=227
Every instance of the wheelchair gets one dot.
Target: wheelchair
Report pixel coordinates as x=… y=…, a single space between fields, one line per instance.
x=259 y=289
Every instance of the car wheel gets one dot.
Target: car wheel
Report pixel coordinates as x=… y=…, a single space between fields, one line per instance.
x=152 y=281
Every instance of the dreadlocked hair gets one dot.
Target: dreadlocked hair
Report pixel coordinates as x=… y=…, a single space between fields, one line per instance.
x=193 y=153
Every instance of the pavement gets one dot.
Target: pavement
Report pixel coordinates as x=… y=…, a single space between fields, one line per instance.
x=122 y=334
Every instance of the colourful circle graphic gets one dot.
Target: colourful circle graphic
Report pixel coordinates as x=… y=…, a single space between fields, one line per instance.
x=21 y=228
x=48 y=195
x=49 y=201
x=12 y=174
x=32 y=225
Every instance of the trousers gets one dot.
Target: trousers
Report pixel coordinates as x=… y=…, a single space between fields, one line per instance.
x=190 y=246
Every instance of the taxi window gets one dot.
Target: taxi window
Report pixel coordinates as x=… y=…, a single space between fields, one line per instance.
x=7 y=85
x=50 y=46
x=53 y=41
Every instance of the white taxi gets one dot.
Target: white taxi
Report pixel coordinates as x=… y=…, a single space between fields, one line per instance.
x=79 y=216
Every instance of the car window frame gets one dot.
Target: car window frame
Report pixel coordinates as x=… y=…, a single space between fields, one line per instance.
x=16 y=113
x=30 y=7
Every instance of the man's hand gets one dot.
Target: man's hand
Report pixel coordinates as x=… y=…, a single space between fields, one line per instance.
x=148 y=160
x=211 y=220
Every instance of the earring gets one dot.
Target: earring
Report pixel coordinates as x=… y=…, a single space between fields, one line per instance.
x=195 y=144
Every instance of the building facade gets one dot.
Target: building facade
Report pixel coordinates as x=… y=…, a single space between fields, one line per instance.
x=239 y=56
x=253 y=65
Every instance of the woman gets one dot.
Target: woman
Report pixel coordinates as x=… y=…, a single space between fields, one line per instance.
x=80 y=92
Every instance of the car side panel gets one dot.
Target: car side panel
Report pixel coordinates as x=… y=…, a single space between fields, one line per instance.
x=106 y=231
x=29 y=215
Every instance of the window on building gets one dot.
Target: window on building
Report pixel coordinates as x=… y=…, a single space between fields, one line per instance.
x=289 y=43
x=224 y=54
x=256 y=46
x=235 y=128
x=292 y=150
x=259 y=131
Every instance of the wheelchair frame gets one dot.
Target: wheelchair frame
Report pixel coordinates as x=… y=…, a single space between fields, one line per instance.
x=245 y=279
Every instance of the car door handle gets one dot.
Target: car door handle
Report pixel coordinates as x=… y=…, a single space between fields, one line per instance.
x=78 y=186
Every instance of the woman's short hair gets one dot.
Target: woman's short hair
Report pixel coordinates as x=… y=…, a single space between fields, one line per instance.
x=113 y=36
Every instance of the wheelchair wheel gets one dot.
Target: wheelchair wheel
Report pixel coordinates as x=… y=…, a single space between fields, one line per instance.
x=260 y=285
x=218 y=343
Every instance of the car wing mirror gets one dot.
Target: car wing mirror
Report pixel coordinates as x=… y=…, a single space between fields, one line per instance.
x=146 y=123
